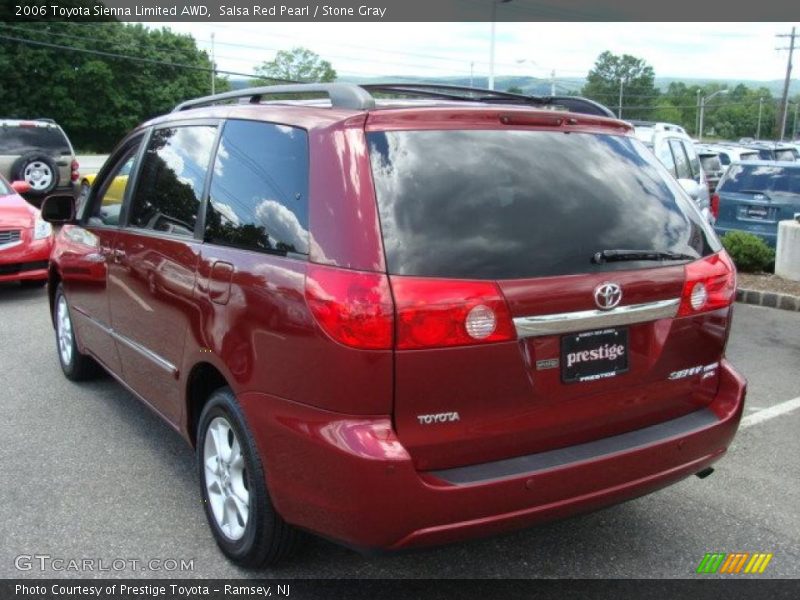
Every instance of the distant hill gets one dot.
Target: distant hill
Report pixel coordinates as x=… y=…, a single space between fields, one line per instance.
x=541 y=87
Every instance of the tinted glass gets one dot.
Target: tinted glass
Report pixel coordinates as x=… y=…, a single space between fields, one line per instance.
x=682 y=168
x=710 y=163
x=761 y=178
x=765 y=154
x=725 y=159
x=515 y=204
x=259 y=188
x=170 y=184
x=664 y=154
x=786 y=154
x=15 y=140
x=694 y=160
x=108 y=202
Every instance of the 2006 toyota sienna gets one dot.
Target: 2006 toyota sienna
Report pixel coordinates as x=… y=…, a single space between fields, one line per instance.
x=403 y=321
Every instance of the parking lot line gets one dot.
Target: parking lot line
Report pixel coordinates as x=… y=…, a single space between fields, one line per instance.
x=770 y=413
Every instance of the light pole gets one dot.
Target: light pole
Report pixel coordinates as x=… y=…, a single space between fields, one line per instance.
x=471 y=72
x=794 y=127
x=703 y=110
x=697 y=113
x=491 y=41
x=760 y=107
x=619 y=112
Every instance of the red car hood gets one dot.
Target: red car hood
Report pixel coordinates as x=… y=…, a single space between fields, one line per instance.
x=15 y=212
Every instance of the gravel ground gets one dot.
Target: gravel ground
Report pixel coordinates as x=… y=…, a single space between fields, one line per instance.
x=767 y=282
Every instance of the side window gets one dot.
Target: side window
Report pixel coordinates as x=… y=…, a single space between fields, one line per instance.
x=259 y=188
x=682 y=168
x=694 y=160
x=664 y=154
x=107 y=202
x=724 y=158
x=170 y=184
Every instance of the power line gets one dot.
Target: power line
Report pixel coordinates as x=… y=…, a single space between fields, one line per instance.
x=135 y=58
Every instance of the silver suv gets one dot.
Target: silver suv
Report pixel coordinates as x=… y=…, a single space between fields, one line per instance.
x=38 y=152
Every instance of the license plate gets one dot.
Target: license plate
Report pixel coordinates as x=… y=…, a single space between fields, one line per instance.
x=594 y=355
x=757 y=212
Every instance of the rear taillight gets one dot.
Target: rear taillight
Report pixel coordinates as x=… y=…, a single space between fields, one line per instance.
x=715 y=205
x=75 y=174
x=352 y=307
x=433 y=313
x=710 y=284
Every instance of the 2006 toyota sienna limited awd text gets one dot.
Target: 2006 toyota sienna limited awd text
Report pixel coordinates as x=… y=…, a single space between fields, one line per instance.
x=401 y=322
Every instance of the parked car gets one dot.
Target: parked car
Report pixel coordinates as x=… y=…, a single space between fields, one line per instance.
x=729 y=153
x=755 y=196
x=39 y=153
x=676 y=151
x=402 y=322
x=712 y=167
x=25 y=239
x=775 y=151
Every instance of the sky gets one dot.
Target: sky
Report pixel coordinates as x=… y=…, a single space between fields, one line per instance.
x=683 y=50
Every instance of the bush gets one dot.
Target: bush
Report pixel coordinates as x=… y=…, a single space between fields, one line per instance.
x=749 y=252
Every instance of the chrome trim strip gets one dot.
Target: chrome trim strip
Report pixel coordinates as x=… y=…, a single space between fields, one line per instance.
x=147 y=353
x=7 y=245
x=583 y=320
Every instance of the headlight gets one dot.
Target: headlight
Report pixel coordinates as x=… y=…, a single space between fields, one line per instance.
x=41 y=229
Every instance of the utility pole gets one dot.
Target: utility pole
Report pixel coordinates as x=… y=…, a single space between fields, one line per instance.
x=213 y=67
x=553 y=85
x=785 y=99
x=471 y=72
x=697 y=113
x=760 y=107
x=794 y=127
x=619 y=112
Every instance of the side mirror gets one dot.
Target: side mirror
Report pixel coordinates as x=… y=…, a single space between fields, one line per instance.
x=21 y=187
x=59 y=209
x=691 y=187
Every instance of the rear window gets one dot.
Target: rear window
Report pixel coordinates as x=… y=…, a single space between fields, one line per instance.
x=517 y=204
x=786 y=154
x=710 y=162
x=761 y=178
x=16 y=140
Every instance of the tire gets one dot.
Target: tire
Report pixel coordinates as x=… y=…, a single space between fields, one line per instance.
x=39 y=170
x=33 y=283
x=238 y=507
x=76 y=366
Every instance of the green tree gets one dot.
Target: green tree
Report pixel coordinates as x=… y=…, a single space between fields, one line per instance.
x=638 y=84
x=106 y=78
x=515 y=89
x=297 y=64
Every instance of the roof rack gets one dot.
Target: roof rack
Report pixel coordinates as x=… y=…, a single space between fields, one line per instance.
x=359 y=97
x=577 y=104
x=342 y=95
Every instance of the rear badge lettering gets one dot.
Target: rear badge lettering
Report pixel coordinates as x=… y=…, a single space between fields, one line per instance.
x=548 y=363
x=445 y=417
x=706 y=370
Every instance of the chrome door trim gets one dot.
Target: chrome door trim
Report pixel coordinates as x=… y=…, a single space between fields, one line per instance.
x=583 y=320
x=146 y=352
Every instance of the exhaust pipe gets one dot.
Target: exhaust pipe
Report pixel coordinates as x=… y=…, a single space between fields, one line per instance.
x=705 y=472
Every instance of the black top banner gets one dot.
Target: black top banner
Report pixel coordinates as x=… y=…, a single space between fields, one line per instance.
x=397 y=10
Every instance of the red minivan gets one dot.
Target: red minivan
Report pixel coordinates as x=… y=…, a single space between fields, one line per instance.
x=404 y=321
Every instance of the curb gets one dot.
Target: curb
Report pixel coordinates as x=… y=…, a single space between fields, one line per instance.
x=768 y=299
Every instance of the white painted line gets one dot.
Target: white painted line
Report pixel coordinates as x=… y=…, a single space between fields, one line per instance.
x=770 y=413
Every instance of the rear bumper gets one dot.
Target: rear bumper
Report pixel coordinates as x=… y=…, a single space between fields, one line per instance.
x=349 y=479
x=26 y=261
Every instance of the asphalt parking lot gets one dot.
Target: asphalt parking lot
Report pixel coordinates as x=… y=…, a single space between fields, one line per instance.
x=88 y=472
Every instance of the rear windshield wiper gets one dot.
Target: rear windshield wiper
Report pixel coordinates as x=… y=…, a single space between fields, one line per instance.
x=620 y=255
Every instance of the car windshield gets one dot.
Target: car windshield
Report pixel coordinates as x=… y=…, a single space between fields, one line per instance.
x=14 y=140
x=515 y=204
x=762 y=178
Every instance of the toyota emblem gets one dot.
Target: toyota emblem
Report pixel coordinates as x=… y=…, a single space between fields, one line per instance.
x=607 y=295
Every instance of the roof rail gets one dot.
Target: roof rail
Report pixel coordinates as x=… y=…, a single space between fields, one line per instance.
x=342 y=95
x=463 y=93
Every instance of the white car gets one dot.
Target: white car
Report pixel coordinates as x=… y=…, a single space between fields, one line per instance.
x=675 y=150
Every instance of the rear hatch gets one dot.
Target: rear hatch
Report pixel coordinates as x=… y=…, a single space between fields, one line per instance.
x=754 y=197
x=502 y=246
